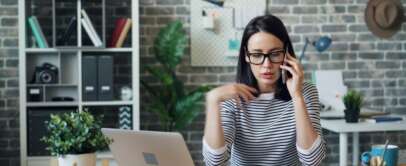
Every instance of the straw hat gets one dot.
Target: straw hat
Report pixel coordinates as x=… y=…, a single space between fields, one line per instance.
x=384 y=17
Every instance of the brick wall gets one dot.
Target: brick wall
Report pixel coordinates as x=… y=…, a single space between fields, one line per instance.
x=9 y=116
x=364 y=59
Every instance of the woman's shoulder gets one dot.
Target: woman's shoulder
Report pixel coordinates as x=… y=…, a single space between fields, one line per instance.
x=229 y=104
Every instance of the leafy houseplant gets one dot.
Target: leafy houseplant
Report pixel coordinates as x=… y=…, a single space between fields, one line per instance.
x=76 y=133
x=353 y=101
x=175 y=107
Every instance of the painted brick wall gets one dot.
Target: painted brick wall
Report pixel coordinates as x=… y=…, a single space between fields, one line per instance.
x=369 y=64
x=374 y=66
x=9 y=116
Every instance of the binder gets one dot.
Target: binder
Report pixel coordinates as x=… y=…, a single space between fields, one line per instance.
x=105 y=78
x=89 y=78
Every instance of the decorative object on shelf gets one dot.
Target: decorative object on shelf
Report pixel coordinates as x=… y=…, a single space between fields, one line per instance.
x=175 y=107
x=75 y=137
x=47 y=73
x=126 y=93
x=125 y=117
x=353 y=101
x=321 y=45
x=384 y=17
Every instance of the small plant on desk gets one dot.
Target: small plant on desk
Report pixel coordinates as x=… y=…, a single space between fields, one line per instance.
x=353 y=101
x=75 y=137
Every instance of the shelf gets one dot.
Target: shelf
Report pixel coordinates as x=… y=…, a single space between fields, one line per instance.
x=74 y=49
x=52 y=85
x=68 y=58
x=51 y=104
x=103 y=103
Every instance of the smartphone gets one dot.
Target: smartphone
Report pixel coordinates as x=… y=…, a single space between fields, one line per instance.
x=284 y=74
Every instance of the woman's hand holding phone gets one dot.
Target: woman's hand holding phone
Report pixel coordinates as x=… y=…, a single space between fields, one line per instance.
x=294 y=83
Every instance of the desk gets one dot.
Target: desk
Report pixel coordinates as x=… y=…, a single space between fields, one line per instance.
x=343 y=129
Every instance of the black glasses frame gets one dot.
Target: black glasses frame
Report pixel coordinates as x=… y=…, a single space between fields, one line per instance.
x=268 y=55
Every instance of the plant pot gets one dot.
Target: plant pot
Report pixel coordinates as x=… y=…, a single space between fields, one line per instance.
x=88 y=159
x=351 y=116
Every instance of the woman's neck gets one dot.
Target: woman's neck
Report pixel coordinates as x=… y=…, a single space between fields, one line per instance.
x=266 y=88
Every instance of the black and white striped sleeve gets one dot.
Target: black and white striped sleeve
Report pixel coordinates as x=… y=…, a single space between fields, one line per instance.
x=315 y=154
x=222 y=155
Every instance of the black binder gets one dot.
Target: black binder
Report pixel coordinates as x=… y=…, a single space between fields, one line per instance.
x=89 y=78
x=105 y=78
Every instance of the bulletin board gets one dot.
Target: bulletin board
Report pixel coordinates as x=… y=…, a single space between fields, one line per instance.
x=219 y=46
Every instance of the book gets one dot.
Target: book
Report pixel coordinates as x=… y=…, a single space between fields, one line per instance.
x=123 y=33
x=119 y=25
x=89 y=33
x=380 y=119
x=37 y=32
x=64 y=39
x=91 y=29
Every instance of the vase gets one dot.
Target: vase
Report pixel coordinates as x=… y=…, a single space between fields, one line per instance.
x=351 y=116
x=88 y=159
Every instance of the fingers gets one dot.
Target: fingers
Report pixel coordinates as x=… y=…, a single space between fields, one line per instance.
x=294 y=63
x=246 y=94
x=253 y=90
x=290 y=69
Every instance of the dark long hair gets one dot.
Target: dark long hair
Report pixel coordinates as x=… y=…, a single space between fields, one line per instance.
x=274 y=26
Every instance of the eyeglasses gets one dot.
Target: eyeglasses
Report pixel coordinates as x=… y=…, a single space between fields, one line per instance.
x=259 y=58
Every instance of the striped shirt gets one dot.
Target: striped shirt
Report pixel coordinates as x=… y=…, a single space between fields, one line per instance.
x=263 y=132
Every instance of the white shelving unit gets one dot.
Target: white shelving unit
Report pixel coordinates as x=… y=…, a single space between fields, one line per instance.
x=68 y=59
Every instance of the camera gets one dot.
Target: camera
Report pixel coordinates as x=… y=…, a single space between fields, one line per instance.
x=45 y=74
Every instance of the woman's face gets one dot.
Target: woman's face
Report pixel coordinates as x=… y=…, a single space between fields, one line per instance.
x=268 y=72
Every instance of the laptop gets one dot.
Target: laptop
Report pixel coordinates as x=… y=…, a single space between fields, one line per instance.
x=148 y=148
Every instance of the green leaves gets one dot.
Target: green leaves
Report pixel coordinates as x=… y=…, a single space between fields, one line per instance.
x=170 y=44
x=353 y=100
x=75 y=133
x=175 y=108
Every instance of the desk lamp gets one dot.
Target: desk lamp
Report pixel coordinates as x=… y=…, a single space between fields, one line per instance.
x=321 y=45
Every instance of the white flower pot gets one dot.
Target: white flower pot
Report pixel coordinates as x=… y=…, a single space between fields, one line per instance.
x=88 y=159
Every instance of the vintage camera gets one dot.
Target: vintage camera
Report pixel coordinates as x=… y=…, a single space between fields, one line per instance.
x=45 y=74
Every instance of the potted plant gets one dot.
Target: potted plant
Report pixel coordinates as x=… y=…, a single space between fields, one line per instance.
x=352 y=101
x=74 y=138
x=171 y=102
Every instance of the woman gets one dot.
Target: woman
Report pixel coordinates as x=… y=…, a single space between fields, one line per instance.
x=260 y=120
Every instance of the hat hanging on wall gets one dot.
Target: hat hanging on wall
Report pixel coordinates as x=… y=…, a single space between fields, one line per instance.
x=384 y=17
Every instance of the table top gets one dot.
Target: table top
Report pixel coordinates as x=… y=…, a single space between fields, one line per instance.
x=341 y=126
